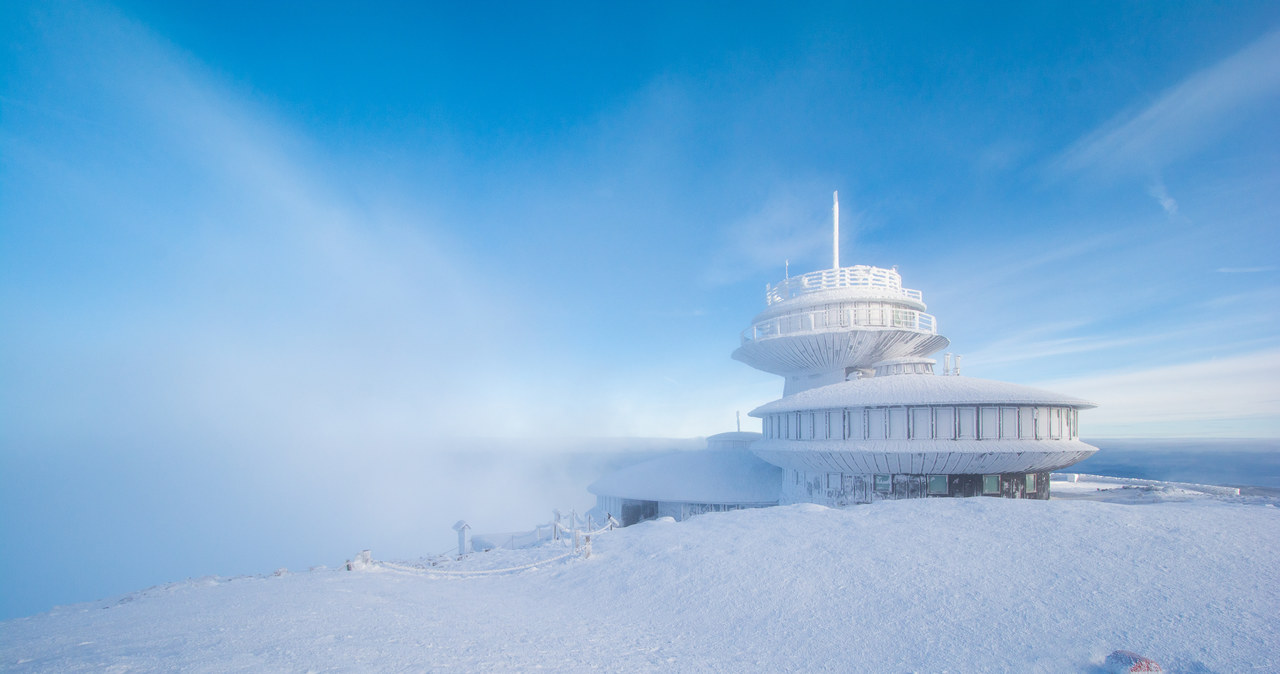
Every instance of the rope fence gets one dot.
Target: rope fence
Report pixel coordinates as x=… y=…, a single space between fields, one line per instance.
x=581 y=546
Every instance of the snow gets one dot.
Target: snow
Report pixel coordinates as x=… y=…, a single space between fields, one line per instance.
x=930 y=585
x=918 y=389
x=709 y=476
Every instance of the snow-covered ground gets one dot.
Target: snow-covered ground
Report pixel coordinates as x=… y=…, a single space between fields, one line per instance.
x=962 y=585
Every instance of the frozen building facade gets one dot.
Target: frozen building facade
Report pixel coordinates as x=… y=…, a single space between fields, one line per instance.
x=865 y=417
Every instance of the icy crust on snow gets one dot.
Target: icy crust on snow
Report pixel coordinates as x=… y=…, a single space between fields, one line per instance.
x=968 y=585
x=919 y=389
x=710 y=476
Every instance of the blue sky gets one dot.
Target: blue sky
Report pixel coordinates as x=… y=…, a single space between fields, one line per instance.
x=229 y=223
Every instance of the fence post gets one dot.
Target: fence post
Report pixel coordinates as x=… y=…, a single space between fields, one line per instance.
x=555 y=527
x=463 y=537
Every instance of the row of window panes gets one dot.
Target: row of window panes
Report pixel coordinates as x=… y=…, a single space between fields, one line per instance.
x=921 y=423
x=845 y=314
x=936 y=484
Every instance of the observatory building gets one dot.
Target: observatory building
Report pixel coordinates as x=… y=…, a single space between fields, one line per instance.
x=865 y=417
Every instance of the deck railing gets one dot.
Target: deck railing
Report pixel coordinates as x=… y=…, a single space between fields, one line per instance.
x=886 y=282
x=830 y=320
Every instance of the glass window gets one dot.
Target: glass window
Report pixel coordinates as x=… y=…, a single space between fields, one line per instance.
x=1031 y=483
x=876 y=420
x=989 y=424
x=1027 y=423
x=898 y=423
x=937 y=484
x=1008 y=422
x=991 y=484
x=883 y=483
x=833 y=480
x=921 y=423
x=968 y=422
x=946 y=423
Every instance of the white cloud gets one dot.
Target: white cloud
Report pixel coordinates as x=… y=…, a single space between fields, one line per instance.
x=1161 y=195
x=1225 y=396
x=1183 y=118
x=790 y=225
x=1245 y=270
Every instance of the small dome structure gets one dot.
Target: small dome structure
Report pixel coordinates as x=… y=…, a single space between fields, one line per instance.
x=725 y=476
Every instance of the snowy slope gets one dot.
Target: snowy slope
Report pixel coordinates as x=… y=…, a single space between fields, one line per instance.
x=930 y=585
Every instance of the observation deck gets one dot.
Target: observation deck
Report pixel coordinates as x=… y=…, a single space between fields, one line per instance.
x=841 y=319
x=874 y=281
x=818 y=327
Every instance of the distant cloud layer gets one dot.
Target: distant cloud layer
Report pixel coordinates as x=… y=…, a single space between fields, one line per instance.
x=1184 y=400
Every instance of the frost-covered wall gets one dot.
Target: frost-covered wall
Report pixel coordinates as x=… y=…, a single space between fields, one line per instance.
x=841 y=489
x=926 y=422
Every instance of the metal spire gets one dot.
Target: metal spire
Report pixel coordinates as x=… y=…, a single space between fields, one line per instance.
x=835 y=236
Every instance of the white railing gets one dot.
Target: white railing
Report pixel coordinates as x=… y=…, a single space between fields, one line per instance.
x=829 y=320
x=885 y=282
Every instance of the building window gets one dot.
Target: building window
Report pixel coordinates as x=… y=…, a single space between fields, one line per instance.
x=946 y=423
x=1031 y=483
x=938 y=484
x=1027 y=423
x=883 y=483
x=897 y=423
x=1008 y=423
x=988 y=423
x=921 y=423
x=968 y=423
x=833 y=480
x=990 y=484
x=877 y=422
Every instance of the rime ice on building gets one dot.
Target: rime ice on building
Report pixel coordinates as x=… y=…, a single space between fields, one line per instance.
x=864 y=416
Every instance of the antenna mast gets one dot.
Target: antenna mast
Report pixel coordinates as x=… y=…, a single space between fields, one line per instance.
x=835 y=235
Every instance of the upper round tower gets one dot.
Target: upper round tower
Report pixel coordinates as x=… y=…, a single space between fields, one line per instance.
x=821 y=327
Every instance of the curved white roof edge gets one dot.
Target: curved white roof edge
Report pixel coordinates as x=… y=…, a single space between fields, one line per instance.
x=722 y=477
x=918 y=389
x=932 y=446
x=735 y=435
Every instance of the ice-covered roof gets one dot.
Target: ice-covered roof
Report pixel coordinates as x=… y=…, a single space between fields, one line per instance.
x=732 y=440
x=708 y=476
x=917 y=390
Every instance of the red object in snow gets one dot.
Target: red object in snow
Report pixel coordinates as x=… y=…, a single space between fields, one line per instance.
x=1128 y=661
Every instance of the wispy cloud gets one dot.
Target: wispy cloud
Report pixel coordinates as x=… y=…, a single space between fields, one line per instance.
x=1158 y=192
x=1245 y=270
x=1182 y=119
x=1177 y=399
x=789 y=225
x=295 y=312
